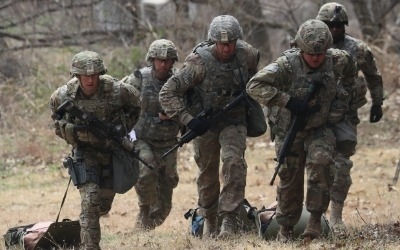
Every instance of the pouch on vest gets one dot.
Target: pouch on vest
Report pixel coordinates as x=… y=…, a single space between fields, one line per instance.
x=125 y=171
x=44 y=235
x=255 y=119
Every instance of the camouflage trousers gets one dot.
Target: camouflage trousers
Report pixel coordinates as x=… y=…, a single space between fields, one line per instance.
x=155 y=187
x=95 y=202
x=312 y=150
x=346 y=141
x=228 y=143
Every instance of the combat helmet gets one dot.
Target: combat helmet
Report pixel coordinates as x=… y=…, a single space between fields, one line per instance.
x=162 y=49
x=87 y=63
x=333 y=12
x=314 y=37
x=224 y=28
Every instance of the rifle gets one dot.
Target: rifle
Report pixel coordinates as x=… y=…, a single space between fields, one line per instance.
x=99 y=128
x=209 y=114
x=396 y=175
x=296 y=125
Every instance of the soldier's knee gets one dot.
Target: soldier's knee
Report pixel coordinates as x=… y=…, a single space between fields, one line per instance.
x=346 y=148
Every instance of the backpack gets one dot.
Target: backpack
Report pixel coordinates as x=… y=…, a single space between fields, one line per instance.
x=44 y=235
x=246 y=219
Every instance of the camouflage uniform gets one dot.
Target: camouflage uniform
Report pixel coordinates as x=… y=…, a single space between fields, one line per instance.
x=288 y=77
x=114 y=103
x=346 y=131
x=155 y=137
x=206 y=82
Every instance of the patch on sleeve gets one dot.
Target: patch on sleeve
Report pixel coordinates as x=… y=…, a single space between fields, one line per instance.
x=273 y=67
x=185 y=78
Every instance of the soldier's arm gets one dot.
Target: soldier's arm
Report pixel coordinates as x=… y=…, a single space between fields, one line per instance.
x=373 y=77
x=131 y=104
x=253 y=58
x=345 y=69
x=267 y=85
x=171 y=95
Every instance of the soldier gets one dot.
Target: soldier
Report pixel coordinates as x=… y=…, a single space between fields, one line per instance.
x=281 y=86
x=335 y=16
x=156 y=134
x=111 y=101
x=211 y=77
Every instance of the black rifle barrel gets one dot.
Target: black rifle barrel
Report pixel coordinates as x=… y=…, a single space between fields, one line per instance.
x=210 y=115
x=297 y=124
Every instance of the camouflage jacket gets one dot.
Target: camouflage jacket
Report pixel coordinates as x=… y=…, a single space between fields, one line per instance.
x=214 y=83
x=365 y=61
x=288 y=76
x=149 y=125
x=115 y=103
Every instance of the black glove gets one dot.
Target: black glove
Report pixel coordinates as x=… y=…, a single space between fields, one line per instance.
x=198 y=126
x=298 y=108
x=376 y=113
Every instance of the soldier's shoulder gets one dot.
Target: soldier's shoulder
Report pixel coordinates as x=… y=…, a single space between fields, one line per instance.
x=340 y=57
x=337 y=53
x=107 y=79
x=194 y=58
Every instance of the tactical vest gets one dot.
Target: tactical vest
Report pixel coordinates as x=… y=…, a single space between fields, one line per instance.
x=149 y=125
x=106 y=105
x=350 y=45
x=299 y=86
x=222 y=81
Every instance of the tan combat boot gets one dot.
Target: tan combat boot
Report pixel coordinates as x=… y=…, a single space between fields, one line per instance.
x=143 y=221
x=228 y=226
x=313 y=228
x=285 y=234
x=336 y=222
x=210 y=226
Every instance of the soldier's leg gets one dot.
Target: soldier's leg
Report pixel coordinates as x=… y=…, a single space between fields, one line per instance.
x=147 y=186
x=167 y=180
x=207 y=157
x=234 y=171
x=106 y=200
x=89 y=217
x=290 y=190
x=346 y=135
x=320 y=148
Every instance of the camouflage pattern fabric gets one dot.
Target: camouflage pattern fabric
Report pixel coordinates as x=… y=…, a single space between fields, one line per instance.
x=155 y=187
x=115 y=103
x=346 y=133
x=314 y=146
x=227 y=141
x=365 y=61
x=155 y=137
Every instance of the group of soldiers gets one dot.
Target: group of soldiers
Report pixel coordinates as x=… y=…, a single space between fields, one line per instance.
x=157 y=102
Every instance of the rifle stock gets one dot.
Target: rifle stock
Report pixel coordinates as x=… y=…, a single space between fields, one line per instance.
x=99 y=128
x=209 y=114
x=297 y=124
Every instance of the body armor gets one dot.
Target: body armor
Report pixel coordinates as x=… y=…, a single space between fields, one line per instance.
x=326 y=93
x=149 y=125
x=222 y=82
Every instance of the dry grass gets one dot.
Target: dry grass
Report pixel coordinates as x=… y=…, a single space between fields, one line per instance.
x=33 y=180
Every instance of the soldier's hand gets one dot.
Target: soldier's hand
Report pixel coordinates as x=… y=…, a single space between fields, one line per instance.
x=299 y=108
x=198 y=126
x=375 y=113
x=163 y=116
